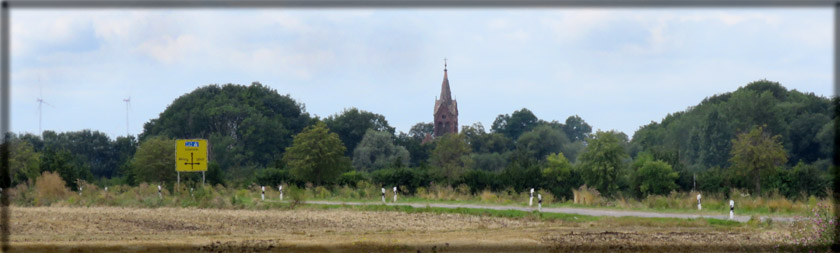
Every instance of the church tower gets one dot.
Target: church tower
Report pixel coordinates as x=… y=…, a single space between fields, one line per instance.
x=446 y=109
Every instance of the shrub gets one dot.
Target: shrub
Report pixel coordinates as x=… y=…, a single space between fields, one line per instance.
x=351 y=178
x=814 y=232
x=50 y=188
x=296 y=195
x=587 y=196
x=273 y=177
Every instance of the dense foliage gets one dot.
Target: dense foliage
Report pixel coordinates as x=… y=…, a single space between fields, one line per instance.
x=761 y=137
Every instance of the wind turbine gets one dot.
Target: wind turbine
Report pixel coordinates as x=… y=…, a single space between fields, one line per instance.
x=41 y=102
x=127 y=106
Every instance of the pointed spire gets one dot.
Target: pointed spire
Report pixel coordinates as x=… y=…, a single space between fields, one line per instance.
x=445 y=93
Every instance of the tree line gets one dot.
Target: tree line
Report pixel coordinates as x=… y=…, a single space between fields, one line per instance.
x=761 y=137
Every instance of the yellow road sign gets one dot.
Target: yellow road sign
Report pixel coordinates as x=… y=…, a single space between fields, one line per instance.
x=191 y=155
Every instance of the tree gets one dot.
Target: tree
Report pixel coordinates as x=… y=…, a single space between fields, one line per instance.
x=756 y=151
x=557 y=173
x=247 y=126
x=515 y=124
x=377 y=151
x=576 y=129
x=451 y=157
x=65 y=164
x=154 y=161
x=352 y=124
x=420 y=130
x=316 y=155
x=24 y=162
x=656 y=177
x=541 y=141
x=602 y=161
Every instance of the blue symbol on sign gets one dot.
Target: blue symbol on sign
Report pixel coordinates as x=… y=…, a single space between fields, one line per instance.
x=191 y=144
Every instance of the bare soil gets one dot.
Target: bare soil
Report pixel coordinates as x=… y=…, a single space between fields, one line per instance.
x=96 y=229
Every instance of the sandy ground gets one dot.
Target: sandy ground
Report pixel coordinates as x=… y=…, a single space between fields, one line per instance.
x=96 y=229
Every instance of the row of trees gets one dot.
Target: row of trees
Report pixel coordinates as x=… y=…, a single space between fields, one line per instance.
x=744 y=139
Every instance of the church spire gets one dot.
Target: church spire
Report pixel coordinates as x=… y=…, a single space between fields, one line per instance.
x=445 y=93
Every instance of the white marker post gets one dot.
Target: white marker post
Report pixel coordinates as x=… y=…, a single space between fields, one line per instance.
x=731 y=209
x=539 y=202
x=280 y=188
x=106 y=188
x=263 y=193
x=159 y=194
x=531 y=199
x=191 y=192
x=80 y=190
x=699 y=205
x=383 y=194
x=395 y=194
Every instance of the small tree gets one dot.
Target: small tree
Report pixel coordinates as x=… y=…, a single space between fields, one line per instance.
x=656 y=177
x=154 y=161
x=377 y=151
x=755 y=152
x=316 y=155
x=451 y=157
x=602 y=161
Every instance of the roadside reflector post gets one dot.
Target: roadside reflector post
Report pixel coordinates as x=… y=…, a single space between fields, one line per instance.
x=699 y=205
x=383 y=194
x=159 y=194
x=280 y=188
x=531 y=198
x=263 y=193
x=191 y=192
x=80 y=190
x=106 y=188
x=731 y=209
x=539 y=202
x=395 y=194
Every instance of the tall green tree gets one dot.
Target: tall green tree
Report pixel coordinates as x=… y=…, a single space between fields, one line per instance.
x=576 y=128
x=352 y=124
x=515 y=124
x=247 y=126
x=377 y=151
x=24 y=162
x=67 y=165
x=451 y=157
x=755 y=152
x=603 y=160
x=154 y=161
x=542 y=141
x=316 y=156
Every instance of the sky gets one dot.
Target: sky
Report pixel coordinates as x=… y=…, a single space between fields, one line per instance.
x=618 y=69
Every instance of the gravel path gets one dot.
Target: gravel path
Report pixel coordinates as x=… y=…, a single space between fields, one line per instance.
x=569 y=210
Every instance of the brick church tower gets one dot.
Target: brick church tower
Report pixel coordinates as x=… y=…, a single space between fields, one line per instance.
x=446 y=109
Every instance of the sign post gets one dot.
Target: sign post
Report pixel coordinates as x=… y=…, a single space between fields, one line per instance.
x=531 y=198
x=699 y=205
x=731 y=209
x=190 y=156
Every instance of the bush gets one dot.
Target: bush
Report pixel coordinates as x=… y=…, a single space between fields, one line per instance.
x=587 y=196
x=352 y=178
x=50 y=188
x=273 y=177
x=411 y=178
x=814 y=232
x=296 y=195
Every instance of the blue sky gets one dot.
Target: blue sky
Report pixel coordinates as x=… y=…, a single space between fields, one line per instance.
x=616 y=68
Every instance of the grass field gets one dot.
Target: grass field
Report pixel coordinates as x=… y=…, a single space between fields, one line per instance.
x=367 y=228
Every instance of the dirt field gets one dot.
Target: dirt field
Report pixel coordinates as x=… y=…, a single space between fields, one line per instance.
x=140 y=230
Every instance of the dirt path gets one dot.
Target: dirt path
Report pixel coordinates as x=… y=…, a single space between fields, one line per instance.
x=569 y=210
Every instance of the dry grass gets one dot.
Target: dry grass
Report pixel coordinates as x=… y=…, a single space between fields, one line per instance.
x=137 y=230
x=50 y=188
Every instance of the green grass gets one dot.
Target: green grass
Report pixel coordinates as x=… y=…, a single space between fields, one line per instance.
x=516 y=214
